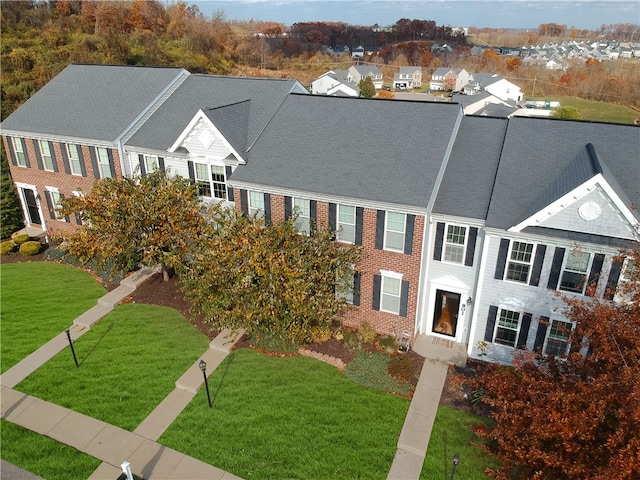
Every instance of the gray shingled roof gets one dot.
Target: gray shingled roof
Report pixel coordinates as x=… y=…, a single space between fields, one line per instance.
x=466 y=187
x=202 y=92
x=233 y=122
x=376 y=150
x=543 y=159
x=90 y=101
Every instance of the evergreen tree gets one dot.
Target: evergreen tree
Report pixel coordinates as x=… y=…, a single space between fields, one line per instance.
x=10 y=212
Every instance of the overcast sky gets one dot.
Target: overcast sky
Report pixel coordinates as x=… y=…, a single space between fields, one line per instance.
x=582 y=14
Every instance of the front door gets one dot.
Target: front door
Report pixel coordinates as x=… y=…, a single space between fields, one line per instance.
x=32 y=206
x=445 y=318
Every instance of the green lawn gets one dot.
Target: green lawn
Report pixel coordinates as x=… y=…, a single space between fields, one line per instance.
x=598 y=111
x=129 y=362
x=40 y=300
x=42 y=455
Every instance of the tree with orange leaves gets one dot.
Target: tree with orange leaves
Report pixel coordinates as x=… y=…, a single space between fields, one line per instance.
x=575 y=416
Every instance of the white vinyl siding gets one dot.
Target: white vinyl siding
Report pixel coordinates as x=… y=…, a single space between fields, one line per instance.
x=394 y=231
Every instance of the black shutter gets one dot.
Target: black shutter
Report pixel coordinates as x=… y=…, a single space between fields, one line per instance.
x=161 y=165
x=47 y=196
x=380 y=216
x=437 y=249
x=471 y=246
x=192 y=171
x=112 y=165
x=24 y=149
x=267 y=208
x=356 y=289
x=78 y=218
x=94 y=161
x=83 y=170
x=66 y=217
x=313 y=214
x=287 y=208
x=541 y=333
x=244 y=202
x=377 y=285
x=227 y=174
x=404 y=298
x=524 y=330
x=594 y=274
x=502 y=258
x=612 y=281
x=332 y=217
x=408 y=234
x=65 y=159
x=54 y=161
x=12 y=153
x=359 y=224
x=36 y=147
x=491 y=323
x=538 y=260
x=556 y=266
x=143 y=167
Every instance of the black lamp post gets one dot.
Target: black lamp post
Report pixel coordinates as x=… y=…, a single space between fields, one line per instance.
x=73 y=352
x=456 y=461
x=203 y=367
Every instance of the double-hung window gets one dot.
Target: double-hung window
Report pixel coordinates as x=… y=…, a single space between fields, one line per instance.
x=390 y=294
x=507 y=326
x=346 y=223
x=202 y=179
x=394 y=231
x=302 y=208
x=103 y=163
x=256 y=203
x=454 y=244
x=21 y=156
x=47 y=156
x=218 y=182
x=574 y=273
x=150 y=163
x=519 y=263
x=73 y=154
x=557 y=342
x=211 y=181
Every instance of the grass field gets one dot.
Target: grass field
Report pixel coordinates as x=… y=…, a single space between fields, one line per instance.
x=32 y=308
x=129 y=363
x=599 y=111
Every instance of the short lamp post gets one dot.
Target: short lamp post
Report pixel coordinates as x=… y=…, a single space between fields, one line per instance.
x=73 y=352
x=203 y=367
x=456 y=461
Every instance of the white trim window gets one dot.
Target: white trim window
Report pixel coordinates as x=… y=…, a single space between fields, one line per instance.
x=56 y=200
x=557 y=341
x=202 y=179
x=629 y=270
x=47 y=157
x=151 y=163
x=574 y=272
x=21 y=156
x=103 y=162
x=302 y=208
x=346 y=224
x=390 y=293
x=519 y=262
x=507 y=327
x=394 y=231
x=218 y=182
x=211 y=181
x=455 y=243
x=73 y=153
x=79 y=215
x=256 y=204
x=347 y=292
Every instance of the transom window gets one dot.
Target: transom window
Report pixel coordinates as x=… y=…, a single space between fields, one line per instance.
x=21 y=157
x=256 y=203
x=47 y=158
x=519 y=264
x=507 y=328
x=390 y=295
x=74 y=159
x=346 y=223
x=574 y=274
x=302 y=207
x=394 y=230
x=103 y=163
x=454 y=243
x=558 y=338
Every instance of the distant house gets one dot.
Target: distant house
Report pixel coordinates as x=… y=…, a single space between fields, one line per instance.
x=358 y=52
x=495 y=85
x=407 y=77
x=358 y=72
x=444 y=79
x=335 y=83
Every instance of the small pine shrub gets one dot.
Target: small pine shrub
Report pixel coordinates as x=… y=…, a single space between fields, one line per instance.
x=7 y=247
x=367 y=332
x=370 y=370
x=30 y=248
x=353 y=340
x=20 y=239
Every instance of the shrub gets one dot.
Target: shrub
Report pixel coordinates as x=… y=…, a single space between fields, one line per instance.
x=353 y=340
x=388 y=344
x=20 y=239
x=320 y=335
x=274 y=342
x=370 y=370
x=30 y=248
x=367 y=332
x=7 y=247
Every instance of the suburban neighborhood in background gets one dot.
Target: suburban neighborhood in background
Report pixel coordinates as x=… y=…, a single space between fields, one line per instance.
x=482 y=192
